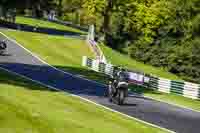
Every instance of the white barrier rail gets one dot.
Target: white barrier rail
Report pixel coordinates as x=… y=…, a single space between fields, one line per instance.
x=109 y=69
x=185 y=89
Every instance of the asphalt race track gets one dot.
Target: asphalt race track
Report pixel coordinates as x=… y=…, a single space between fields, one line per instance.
x=168 y=116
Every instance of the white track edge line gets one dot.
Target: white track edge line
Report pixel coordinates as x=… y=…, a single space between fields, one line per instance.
x=170 y=103
x=34 y=55
x=89 y=101
x=83 y=79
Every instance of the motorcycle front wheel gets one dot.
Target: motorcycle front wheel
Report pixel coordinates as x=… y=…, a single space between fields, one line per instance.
x=121 y=96
x=110 y=93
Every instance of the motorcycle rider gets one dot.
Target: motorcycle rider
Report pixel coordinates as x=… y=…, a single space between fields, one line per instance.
x=118 y=86
x=3 y=46
x=122 y=75
x=119 y=75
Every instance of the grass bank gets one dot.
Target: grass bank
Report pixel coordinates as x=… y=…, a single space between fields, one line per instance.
x=62 y=52
x=66 y=54
x=29 y=107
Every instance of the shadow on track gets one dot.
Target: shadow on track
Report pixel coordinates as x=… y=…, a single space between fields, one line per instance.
x=6 y=54
x=29 y=28
x=63 y=81
x=129 y=104
x=11 y=79
x=164 y=115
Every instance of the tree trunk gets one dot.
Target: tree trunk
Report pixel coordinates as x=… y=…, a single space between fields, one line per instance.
x=106 y=23
x=60 y=8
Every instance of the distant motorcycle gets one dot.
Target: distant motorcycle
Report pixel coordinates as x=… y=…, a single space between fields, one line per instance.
x=118 y=90
x=3 y=47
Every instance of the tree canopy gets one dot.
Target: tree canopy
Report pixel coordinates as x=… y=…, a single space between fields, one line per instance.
x=163 y=33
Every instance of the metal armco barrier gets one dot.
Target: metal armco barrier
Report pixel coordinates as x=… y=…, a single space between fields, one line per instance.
x=191 y=90
x=97 y=66
x=164 y=85
x=102 y=67
x=153 y=83
x=186 y=89
x=89 y=63
x=108 y=69
x=199 y=92
x=177 y=87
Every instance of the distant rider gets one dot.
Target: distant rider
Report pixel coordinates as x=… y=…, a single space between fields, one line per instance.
x=119 y=75
x=3 y=45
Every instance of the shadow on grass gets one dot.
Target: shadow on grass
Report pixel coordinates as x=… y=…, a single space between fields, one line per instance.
x=12 y=79
x=82 y=28
x=44 y=30
x=86 y=73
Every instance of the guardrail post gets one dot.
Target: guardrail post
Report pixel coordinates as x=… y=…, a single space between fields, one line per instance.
x=185 y=89
x=89 y=63
x=199 y=92
x=95 y=65
x=109 y=69
x=177 y=87
x=191 y=90
x=154 y=82
x=164 y=85
x=84 y=61
x=102 y=67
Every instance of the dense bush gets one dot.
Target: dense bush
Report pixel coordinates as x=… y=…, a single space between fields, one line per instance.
x=163 y=33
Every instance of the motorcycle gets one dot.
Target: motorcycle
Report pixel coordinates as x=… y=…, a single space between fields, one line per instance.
x=118 y=91
x=3 y=47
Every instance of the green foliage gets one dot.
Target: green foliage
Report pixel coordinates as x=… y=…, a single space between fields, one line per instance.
x=163 y=33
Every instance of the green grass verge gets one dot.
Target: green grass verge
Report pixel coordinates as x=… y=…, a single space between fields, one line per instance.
x=177 y=100
x=69 y=52
x=27 y=107
x=119 y=59
x=46 y=24
x=168 y=98
x=61 y=52
x=68 y=55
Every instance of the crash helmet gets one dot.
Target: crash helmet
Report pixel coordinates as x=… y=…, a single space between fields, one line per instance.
x=120 y=69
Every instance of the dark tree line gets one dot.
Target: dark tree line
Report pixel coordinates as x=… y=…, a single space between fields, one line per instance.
x=36 y=6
